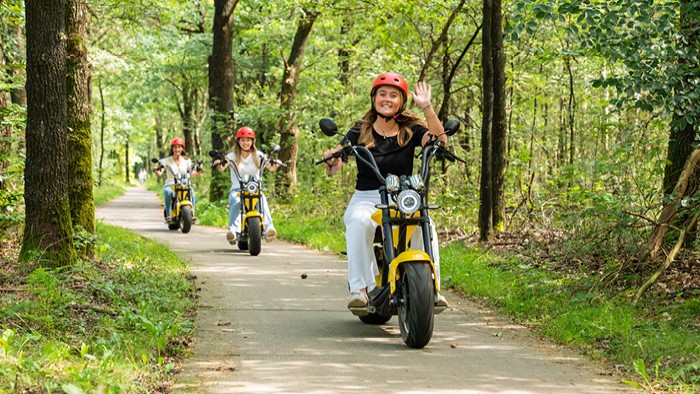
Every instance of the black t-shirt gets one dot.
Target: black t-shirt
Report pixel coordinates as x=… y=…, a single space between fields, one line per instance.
x=390 y=157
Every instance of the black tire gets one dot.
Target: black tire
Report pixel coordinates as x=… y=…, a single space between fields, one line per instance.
x=242 y=245
x=186 y=218
x=254 y=236
x=174 y=226
x=375 y=318
x=417 y=303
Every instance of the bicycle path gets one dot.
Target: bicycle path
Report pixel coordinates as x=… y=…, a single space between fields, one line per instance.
x=278 y=323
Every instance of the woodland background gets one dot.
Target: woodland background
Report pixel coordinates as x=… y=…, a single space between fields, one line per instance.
x=578 y=117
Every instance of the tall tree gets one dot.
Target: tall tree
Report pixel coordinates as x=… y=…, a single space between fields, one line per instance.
x=486 y=185
x=48 y=230
x=221 y=87
x=500 y=122
x=288 y=127
x=79 y=72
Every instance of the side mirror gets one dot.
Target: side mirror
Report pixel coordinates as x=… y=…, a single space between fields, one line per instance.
x=451 y=127
x=275 y=149
x=154 y=160
x=214 y=153
x=328 y=127
x=199 y=161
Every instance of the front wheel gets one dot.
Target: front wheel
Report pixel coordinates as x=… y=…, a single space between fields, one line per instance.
x=186 y=218
x=254 y=236
x=415 y=309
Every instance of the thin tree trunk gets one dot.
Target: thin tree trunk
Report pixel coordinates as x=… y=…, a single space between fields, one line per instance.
x=440 y=40
x=288 y=127
x=48 y=232
x=486 y=188
x=500 y=125
x=221 y=88
x=103 y=126
x=78 y=117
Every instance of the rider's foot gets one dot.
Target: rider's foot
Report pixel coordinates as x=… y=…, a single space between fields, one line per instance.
x=231 y=237
x=270 y=235
x=440 y=303
x=358 y=299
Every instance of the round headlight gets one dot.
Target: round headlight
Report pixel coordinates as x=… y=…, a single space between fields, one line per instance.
x=408 y=201
x=251 y=187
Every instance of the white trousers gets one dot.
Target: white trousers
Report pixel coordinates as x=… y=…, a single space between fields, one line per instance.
x=359 y=237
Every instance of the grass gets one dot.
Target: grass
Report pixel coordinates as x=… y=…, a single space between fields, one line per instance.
x=116 y=323
x=656 y=343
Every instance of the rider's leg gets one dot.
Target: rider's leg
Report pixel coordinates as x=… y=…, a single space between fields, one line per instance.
x=417 y=240
x=234 y=212
x=168 y=195
x=267 y=216
x=359 y=237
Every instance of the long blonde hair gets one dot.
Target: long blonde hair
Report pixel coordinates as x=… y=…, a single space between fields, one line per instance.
x=405 y=120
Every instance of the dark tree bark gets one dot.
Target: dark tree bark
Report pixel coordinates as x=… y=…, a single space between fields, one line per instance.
x=680 y=143
x=48 y=233
x=288 y=122
x=500 y=121
x=187 y=108
x=79 y=74
x=221 y=88
x=448 y=74
x=103 y=125
x=486 y=183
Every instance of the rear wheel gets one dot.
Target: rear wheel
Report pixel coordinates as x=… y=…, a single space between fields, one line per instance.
x=186 y=218
x=254 y=236
x=242 y=245
x=174 y=225
x=415 y=309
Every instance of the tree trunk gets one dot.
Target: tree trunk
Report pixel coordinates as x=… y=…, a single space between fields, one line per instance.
x=486 y=186
x=48 y=232
x=500 y=125
x=103 y=125
x=14 y=53
x=680 y=143
x=221 y=89
x=79 y=72
x=440 y=40
x=288 y=122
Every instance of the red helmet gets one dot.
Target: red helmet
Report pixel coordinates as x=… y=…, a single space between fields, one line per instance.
x=245 y=132
x=391 y=79
x=177 y=141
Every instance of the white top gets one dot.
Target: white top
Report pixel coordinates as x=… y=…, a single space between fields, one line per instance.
x=173 y=168
x=245 y=167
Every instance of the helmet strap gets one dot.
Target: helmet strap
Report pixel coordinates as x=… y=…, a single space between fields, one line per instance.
x=386 y=118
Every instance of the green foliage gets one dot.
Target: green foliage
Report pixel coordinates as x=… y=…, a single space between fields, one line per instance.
x=108 y=325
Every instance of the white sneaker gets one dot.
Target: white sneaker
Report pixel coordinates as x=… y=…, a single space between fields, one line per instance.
x=231 y=237
x=440 y=304
x=270 y=235
x=358 y=299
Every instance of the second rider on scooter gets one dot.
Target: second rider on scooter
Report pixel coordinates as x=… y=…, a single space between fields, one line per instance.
x=248 y=160
x=392 y=134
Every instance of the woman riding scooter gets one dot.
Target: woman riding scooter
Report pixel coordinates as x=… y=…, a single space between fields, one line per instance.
x=175 y=164
x=247 y=160
x=391 y=133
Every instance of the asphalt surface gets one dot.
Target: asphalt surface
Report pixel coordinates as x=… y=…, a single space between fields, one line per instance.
x=278 y=323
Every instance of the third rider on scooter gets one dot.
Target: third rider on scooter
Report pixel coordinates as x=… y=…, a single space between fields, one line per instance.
x=248 y=160
x=392 y=134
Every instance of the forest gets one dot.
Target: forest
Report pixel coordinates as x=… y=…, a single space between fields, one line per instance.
x=579 y=124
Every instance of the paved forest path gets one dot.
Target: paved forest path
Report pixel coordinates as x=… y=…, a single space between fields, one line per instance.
x=262 y=328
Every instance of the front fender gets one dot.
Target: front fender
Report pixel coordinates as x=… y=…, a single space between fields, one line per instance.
x=410 y=257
